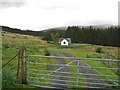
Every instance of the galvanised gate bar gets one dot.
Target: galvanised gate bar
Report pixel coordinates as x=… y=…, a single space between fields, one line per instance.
x=72 y=73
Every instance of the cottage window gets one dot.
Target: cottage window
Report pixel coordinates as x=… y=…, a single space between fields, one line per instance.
x=64 y=42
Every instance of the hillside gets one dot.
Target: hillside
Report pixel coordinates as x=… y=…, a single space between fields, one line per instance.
x=80 y=26
x=11 y=43
x=22 y=39
x=19 y=31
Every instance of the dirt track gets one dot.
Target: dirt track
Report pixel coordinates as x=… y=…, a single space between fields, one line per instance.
x=81 y=70
x=87 y=71
x=64 y=69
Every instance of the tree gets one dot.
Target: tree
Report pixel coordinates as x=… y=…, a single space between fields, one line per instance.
x=47 y=36
x=55 y=38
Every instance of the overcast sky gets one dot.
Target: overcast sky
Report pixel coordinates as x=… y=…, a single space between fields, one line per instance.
x=43 y=14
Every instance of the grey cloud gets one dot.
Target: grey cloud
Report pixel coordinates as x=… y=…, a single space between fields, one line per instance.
x=59 y=7
x=12 y=3
x=102 y=22
x=94 y=22
x=53 y=7
x=119 y=13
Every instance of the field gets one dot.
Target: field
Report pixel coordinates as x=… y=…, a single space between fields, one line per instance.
x=89 y=51
x=11 y=43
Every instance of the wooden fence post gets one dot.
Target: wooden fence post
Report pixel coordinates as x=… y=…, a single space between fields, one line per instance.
x=24 y=80
x=18 y=68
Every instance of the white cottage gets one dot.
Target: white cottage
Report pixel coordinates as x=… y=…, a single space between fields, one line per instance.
x=65 y=41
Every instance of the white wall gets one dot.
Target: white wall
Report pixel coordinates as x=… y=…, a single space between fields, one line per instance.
x=64 y=42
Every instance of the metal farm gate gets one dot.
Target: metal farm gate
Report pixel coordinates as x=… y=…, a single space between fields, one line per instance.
x=72 y=73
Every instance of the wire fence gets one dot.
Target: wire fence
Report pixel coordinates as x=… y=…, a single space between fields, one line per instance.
x=9 y=61
x=20 y=64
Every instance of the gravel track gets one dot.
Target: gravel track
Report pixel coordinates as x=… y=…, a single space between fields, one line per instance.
x=81 y=70
x=64 y=69
x=88 y=71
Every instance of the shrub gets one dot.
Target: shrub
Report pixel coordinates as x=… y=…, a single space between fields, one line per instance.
x=5 y=46
x=13 y=37
x=25 y=37
x=8 y=79
x=99 y=50
x=46 y=52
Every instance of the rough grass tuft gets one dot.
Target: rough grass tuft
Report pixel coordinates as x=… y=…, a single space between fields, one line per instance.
x=8 y=79
x=99 y=50
x=46 y=52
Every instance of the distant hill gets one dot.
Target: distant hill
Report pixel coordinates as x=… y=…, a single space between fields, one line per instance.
x=104 y=26
x=57 y=28
x=19 y=31
x=40 y=33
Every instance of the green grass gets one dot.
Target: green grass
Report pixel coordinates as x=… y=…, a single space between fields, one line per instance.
x=73 y=69
x=43 y=65
x=8 y=78
x=87 y=53
x=11 y=44
x=73 y=73
x=104 y=71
